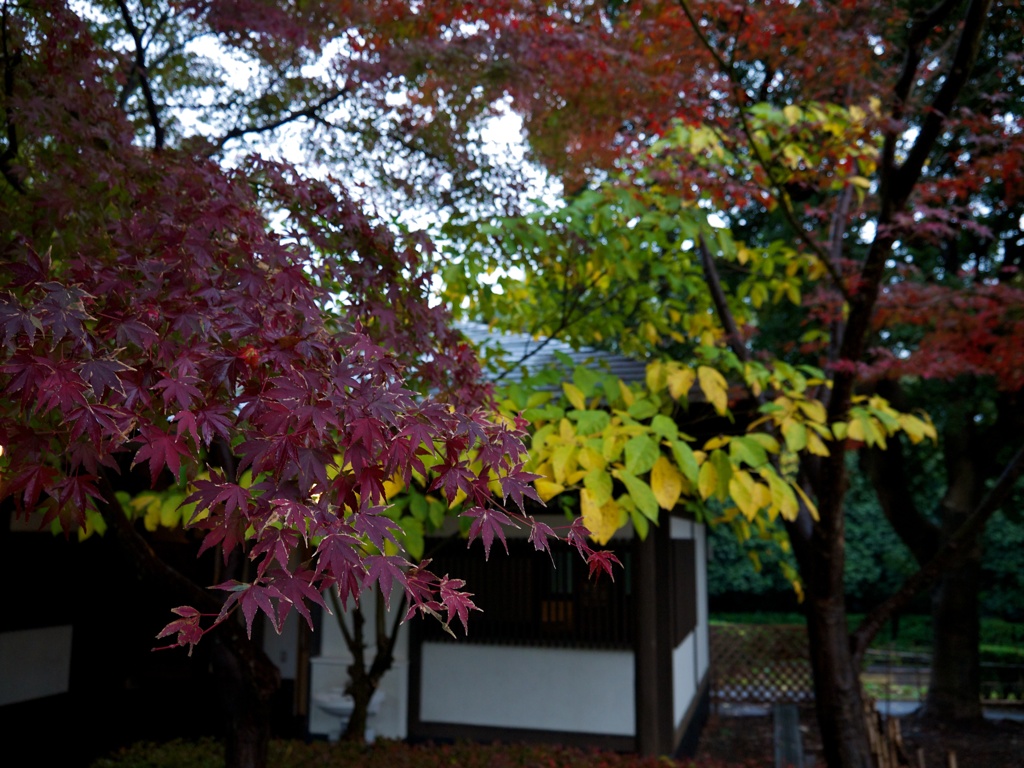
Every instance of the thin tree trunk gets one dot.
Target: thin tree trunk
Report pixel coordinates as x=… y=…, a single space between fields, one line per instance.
x=247 y=677
x=837 y=692
x=245 y=699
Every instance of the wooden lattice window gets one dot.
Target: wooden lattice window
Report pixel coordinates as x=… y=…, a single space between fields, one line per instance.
x=525 y=601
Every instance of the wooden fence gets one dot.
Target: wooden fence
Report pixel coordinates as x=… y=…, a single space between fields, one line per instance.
x=760 y=664
x=768 y=664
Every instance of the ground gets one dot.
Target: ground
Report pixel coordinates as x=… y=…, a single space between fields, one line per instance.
x=747 y=740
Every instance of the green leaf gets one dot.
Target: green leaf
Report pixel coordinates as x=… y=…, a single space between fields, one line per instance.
x=664 y=427
x=795 y=434
x=641 y=453
x=723 y=469
x=412 y=537
x=418 y=505
x=685 y=460
x=589 y=422
x=641 y=493
x=642 y=409
x=748 y=450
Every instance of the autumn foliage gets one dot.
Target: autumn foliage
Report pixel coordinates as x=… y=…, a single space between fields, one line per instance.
x=157 y=330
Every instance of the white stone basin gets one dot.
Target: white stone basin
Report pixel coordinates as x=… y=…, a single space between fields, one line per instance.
x=339 y=704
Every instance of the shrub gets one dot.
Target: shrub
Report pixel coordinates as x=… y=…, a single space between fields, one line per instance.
x=207 y=753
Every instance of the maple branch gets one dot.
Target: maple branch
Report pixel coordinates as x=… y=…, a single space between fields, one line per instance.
x=139 y=68
x=145 y=562
x=962 y=538
x=924 y=22
x=310 y=112
x=10 y=61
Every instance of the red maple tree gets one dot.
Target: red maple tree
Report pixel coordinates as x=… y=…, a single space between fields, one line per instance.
x=154 y=322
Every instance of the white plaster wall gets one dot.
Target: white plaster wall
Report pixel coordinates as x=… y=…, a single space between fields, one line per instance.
x=680 y=528
x=283 y=648
x=558 y=689
x=329 y=670
x=684 y=681
x=34 y=663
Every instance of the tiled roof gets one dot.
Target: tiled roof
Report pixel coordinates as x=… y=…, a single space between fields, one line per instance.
x=529 y=355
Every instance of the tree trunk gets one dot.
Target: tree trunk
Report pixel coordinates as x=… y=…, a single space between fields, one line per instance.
x=954 y=688
x=954 y=685
x=837 y=692
x=247 y=677
x=245 y=697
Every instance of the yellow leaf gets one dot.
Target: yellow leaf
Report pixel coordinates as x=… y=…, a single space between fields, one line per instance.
x=656 y=376
x=572 y=479
x=792 y=114
x=666 y=482
x=741 y=491
x=547 y=490
x=783 y=500
x=816 y=446
x=715 y=389
x=563 y=462
x=591 y=459
x=601 y=521
x=860 y=181
x=393 y=487
x=575 y=395
x=807 y=500
x=717 y=442
x=707 y=480
x=626 y=393
x=679 y=382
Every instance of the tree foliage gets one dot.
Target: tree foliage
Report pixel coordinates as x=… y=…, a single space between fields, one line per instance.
x=868 y=163
x=283 y=376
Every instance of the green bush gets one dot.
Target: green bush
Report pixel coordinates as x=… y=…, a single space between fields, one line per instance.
x=207 y=753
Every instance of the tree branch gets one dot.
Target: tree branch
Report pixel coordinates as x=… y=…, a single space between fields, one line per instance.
x=961 y=539
x=146 y=562
x=906 y=176
x=888 y=475
x=777 y=188
x=721 y=306
x=10 y=61
x=139 y=68
x=311 y=112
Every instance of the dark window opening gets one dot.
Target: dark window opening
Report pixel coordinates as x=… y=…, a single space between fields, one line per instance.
x=526 y=601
